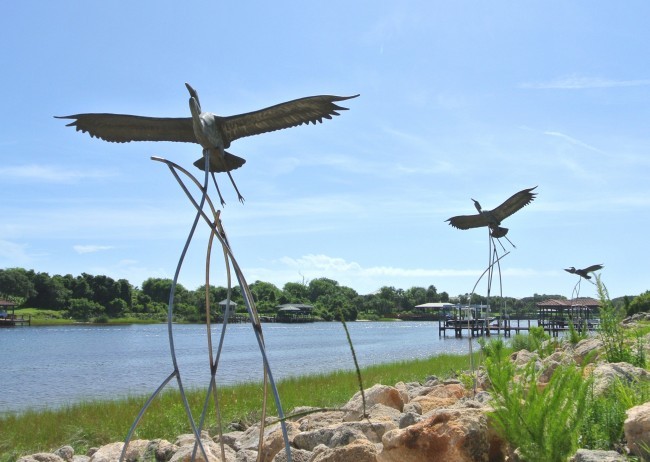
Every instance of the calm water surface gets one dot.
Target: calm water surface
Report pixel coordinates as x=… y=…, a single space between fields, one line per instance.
x=54 y=366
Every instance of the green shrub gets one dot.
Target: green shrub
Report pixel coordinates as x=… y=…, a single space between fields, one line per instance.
x=611 y=332
x=543 y=424
x=603 y=424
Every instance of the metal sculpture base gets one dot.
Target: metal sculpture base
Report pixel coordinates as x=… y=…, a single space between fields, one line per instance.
x=216 y=230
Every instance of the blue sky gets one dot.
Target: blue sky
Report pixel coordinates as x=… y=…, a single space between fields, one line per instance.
x=458 y=100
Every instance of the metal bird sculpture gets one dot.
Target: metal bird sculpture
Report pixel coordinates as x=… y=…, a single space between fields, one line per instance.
x=584 y=273
x=493 y=218
x=214 y=133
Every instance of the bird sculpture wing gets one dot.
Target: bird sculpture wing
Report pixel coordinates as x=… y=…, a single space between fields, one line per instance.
x=592 y=268
x=122 y=128
x=468 y=221
x=514 y=203
x=307 y=110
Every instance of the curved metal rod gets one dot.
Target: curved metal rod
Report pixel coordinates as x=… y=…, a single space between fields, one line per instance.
x=213 y=364
x=248 y=298
x=141 y=413
x=491 y=264
x=170 y=309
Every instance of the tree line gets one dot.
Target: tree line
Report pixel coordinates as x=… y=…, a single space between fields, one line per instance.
x=97 y=297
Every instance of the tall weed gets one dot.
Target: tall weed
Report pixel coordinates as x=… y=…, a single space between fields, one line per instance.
x=612 y=334
x=603 y=424
x=543 y=423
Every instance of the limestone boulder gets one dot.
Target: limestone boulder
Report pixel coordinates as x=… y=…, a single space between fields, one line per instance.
x=377 y=394
x=637 y=430
x=112 y=452
x=186 y=452
x=358 y=451
x=41 y=457
x=340 y=435
x=522 y=358
x=589 y=455
x=297 y=455
x=607 y=374
x=460 y=435
x=273 y=440
x=159 y=449
x=319 y=420
x=66 y=453
x=588 y=348
x=440 y=396
x=381 y=412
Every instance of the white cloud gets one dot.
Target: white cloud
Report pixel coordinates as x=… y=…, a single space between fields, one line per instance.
x=14 y=254
x=52 y=174
x=82 y=249
x=574 y=141
x=575 y=82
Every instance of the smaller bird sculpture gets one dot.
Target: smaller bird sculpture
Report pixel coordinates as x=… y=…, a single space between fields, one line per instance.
x=584 y=272
x=493 y=218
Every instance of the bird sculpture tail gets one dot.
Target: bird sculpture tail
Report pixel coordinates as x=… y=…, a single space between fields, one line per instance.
x=221 y=164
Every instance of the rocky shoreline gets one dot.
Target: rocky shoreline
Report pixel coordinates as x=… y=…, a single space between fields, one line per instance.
x=432 y=420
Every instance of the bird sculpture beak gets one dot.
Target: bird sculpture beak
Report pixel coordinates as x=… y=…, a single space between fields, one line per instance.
x=190 y=89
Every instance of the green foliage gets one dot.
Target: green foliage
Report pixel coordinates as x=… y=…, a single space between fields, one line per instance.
x=576 y=335
x=535 y=340
x=603 y=424
x=611 y=332
x=639 y=304
x=543 y=424
x=83 y=309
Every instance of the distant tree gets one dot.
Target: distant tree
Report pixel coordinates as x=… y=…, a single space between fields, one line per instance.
x=415 y=296
x=266 y=295
x=116 y=308
x=640 y=304
x=432 y=294
x=83 y=309
x=16 y=282
x=50 y=293
x=294 y=292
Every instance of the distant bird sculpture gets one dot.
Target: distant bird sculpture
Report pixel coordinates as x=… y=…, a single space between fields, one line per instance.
x=493 y=218
x=214 y=133
x=584 y=273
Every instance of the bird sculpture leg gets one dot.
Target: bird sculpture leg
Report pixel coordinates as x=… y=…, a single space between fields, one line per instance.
x=216 y=185
x=241 y=198
x=206 y=155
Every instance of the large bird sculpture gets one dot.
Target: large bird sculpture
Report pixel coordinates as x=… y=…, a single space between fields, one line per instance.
x=493 y=218
x=214 y=133
x=584 y=272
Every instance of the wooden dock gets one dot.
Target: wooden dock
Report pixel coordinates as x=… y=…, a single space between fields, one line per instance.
x=505 y=327
x=13 y=321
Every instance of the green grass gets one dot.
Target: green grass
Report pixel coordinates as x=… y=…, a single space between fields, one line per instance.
x=91 y=424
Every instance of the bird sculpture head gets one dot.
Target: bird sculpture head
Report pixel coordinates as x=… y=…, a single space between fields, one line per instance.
x=193 y=94
x=571 y=269
x=477 y=205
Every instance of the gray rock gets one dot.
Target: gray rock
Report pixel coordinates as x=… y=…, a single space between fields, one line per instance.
x=41 y=457
x=297 y=455
x=588 y=455
x=66 y=453
x=409 y=418
x=607 y=374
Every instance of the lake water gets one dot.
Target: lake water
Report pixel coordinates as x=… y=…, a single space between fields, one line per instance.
x=55 y=366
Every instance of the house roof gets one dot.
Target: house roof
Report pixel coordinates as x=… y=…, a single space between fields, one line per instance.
x=225 y=301
x=294 y=307
x=435 y=305
x=7 y=303
x=556 y=303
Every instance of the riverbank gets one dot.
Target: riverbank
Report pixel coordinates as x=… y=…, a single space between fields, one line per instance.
x=94 y=423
